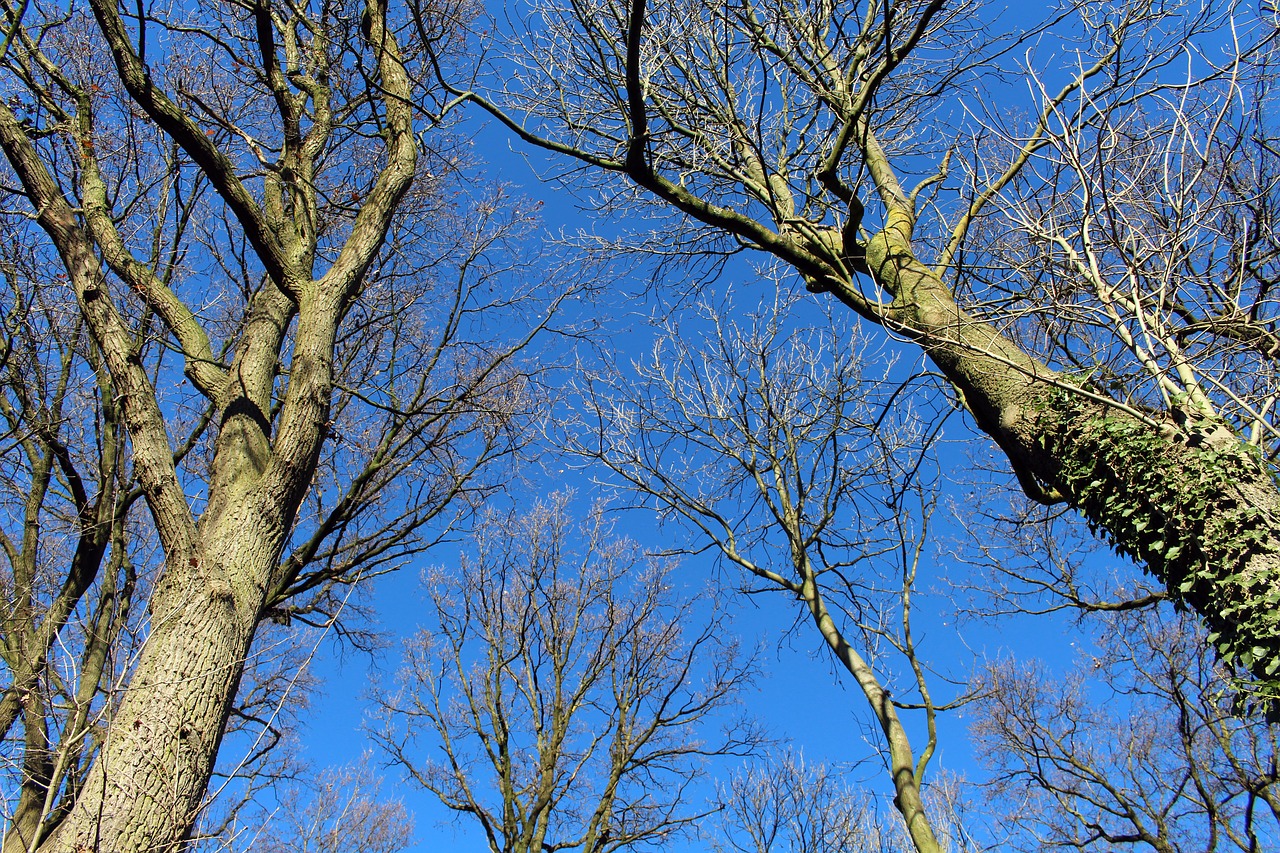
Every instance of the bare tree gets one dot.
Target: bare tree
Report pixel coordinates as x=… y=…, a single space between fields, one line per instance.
x=566 y=693
x=1137 y=748
x=788 y=805
x=771 y=443
x=327 y=810
x=1112 y=357
x=252 y=355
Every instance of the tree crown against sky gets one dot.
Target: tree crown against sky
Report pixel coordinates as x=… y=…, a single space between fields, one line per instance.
x=565 y=691
x=1135 y=746
x=1073 y=219
x=770 y=442
x=256 y=198
x=261 y=343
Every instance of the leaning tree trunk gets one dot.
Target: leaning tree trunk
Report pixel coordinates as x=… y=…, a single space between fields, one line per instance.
x=1183 y=496
x=908 y=797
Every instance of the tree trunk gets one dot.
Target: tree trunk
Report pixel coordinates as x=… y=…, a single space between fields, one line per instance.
x=907 y=797
x=163 y=738
x=1182 y=495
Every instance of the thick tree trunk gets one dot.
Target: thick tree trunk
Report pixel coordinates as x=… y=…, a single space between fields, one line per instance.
x=1183 y=496
x=168 y=726
x=163 y=738
x=148 y=776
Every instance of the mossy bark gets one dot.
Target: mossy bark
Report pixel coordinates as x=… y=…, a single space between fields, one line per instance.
x=1185 y=498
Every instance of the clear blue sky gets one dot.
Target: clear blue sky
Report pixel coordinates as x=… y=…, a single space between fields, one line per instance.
x=802 y=698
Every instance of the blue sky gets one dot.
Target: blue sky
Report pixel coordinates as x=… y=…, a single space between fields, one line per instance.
x=801 y=698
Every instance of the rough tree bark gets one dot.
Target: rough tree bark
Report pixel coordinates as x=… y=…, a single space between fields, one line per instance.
x=148 y=782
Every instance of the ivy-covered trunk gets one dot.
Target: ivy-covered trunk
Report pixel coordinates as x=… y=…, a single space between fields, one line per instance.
x=1192 y=503
x=1182 y=495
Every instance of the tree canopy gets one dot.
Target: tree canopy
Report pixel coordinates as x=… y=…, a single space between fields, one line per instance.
x=1086 y=254
x=269 y=331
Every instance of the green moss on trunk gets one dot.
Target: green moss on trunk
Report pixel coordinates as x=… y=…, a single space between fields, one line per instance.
x=1182 y=507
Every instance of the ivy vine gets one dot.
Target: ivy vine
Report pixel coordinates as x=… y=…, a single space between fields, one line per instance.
x=1174 y=506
